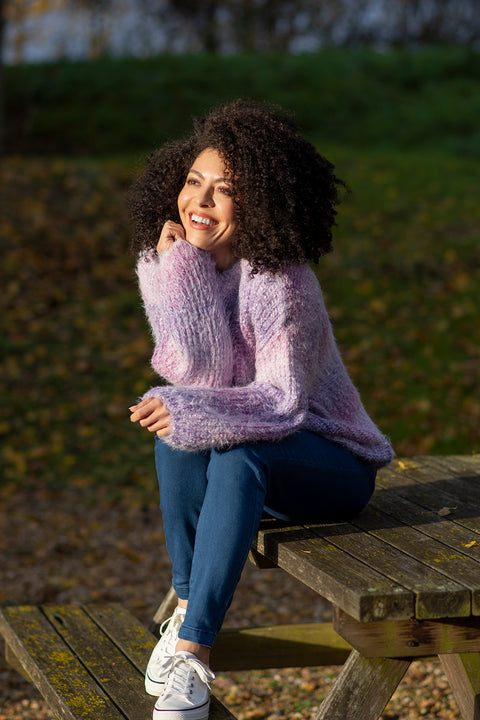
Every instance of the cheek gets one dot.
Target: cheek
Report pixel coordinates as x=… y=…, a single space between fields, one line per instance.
x=182 y=200
x=229 y=214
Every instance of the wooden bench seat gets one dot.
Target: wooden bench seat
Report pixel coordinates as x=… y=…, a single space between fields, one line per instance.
x=87 y=661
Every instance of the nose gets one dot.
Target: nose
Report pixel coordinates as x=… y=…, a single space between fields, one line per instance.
x=205 y=197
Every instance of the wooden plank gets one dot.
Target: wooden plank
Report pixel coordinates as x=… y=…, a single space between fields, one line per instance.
x=453 y=565
x=456 y=537
x=409 y=638
x=219 y=711
x=463 y=480
x=452 y=478
x=442 y=528
x=137 y=643
x=260 y=561
x=115 y=674
x=463 y=673
x=472 y=460
x=58 y=674
x=15 y=664
x=352 y=585
x=125 y=631
x=432 y=488
x=164 y=610
x=280 y=646
x=430 y=463
x=461 y=467
x=363 y=688
x=468 y=461
x=431 y=589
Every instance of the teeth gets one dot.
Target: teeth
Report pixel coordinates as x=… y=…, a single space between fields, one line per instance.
x=204 y=221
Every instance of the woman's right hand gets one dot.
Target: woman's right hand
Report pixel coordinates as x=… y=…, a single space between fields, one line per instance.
x=171 y=231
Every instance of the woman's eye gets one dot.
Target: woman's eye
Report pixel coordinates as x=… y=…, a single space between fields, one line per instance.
x=225 y=190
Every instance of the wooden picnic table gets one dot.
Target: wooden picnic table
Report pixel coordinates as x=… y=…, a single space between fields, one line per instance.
x=404 y=582
x=403 y=578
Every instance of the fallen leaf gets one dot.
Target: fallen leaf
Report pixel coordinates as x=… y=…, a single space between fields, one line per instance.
x=445 y=511
x=407 y=465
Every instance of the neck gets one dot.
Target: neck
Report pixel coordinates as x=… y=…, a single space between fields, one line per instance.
x=224 y=260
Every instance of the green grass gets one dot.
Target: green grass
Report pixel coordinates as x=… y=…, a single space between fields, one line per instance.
x=402 y=98
x=402 y=289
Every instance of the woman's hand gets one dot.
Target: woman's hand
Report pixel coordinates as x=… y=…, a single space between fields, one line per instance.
x=171 y=231
x=153 y=415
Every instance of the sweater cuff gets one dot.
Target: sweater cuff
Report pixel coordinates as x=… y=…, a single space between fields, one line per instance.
x=151 y=267
x=180 y=436
x=181 y=253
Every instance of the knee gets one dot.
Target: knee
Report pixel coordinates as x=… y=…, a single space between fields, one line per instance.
x=236 y=468
x=180 y=472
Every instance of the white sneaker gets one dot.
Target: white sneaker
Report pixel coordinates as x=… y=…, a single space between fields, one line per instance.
x=156 y=675
x=186 y=694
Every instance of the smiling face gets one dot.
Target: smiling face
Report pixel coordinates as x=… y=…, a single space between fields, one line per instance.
x=206 y=208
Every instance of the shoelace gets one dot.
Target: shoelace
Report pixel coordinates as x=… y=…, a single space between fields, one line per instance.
x=180 y=678
x=172 y=623
x=169 y=629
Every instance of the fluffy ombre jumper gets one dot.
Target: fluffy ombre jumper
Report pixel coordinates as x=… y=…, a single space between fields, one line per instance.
x=249 y=356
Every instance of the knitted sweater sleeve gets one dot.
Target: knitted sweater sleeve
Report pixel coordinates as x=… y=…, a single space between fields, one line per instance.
x=275 y=403
x=179 y=289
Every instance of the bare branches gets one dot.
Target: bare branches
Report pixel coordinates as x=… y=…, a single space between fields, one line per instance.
x=89 y=28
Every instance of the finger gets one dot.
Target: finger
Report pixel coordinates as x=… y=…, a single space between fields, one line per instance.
x=138 y=413
x=134 y=408
x=150 y=416
x=171 y=231
x=153 y=414
x=161 y=425
x=145 y=408
x=142 y=403
x=154 y=419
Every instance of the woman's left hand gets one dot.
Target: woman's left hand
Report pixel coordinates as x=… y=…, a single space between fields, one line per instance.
x=153 y=415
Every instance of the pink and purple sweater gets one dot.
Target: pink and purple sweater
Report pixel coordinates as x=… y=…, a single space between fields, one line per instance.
x=248 y=357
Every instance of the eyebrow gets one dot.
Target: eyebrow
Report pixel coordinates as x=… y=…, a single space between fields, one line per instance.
x=219 y=179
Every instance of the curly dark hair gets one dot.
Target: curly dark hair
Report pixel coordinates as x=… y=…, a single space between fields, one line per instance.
x=284 y=191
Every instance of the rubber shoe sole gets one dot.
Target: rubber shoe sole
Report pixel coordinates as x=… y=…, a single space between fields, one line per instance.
x=196 y=713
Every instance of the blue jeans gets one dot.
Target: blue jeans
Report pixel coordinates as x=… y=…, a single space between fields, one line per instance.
x=212 y=502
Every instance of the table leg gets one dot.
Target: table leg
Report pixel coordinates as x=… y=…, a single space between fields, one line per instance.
x=363 y=688
x=463 y=673
x=164 y=610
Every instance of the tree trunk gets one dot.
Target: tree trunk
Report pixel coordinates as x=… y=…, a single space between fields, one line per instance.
x=2 y=84
x=211 y=40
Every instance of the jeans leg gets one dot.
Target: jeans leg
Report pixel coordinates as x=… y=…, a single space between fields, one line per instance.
x=182 y=478
x=228 y=521
x=303 y=478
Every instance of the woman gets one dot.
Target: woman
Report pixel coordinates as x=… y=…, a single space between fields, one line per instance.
x=260 y=414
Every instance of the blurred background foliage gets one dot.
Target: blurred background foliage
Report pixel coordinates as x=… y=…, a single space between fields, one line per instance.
x=400 y=124
x=402 y=98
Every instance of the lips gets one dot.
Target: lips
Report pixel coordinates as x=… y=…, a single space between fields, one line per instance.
x=201 y=221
